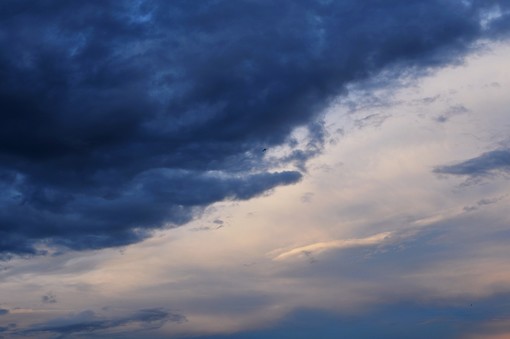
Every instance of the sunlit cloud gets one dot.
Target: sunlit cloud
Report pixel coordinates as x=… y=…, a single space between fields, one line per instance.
x=320 y=247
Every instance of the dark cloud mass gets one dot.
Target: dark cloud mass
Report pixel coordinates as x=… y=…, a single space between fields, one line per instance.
x=120 y=117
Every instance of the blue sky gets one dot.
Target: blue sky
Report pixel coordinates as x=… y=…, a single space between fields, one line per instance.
x=254 y=169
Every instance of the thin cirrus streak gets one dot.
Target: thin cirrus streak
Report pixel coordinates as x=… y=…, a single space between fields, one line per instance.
x=320 y=247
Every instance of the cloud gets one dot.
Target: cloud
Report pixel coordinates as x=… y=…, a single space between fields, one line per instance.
x=483 y=202
x=480 y=166
x=319 y=247
x=120 y=118
x=89 y=322
x=3 y=311
x=451 y=112
x=49 y=298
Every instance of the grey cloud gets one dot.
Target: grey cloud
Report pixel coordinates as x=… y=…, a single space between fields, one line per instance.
x=201 y=229
x=88 y=322
x=372 y=120
x=480 y=166
x=453 y=111
x=49 y=298
x=483 y=202
x=3 y=311
x=307 y=197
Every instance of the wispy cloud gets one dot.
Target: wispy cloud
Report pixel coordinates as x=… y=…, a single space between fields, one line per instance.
x=319 y=247
x=480 y=166
x=88 y=322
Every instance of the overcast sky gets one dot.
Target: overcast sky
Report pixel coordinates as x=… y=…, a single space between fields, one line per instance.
x=255 y=169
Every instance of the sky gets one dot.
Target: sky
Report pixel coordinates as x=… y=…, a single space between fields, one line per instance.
x=255 y=169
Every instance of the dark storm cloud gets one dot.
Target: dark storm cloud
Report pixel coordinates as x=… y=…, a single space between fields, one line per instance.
x=482 y=165
x=90 y=323
x=121 y=117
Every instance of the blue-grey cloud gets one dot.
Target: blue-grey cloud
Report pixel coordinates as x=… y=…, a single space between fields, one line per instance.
x=3 y=311
x=453 y=111
x=122 y=117
x=88 y=322
x=482 y=165
x=483 y=202
x=49 y=298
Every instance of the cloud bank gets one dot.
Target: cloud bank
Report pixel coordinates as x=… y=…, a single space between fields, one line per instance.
x=123 y=117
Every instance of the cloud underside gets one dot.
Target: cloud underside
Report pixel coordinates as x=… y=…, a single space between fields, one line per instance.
x=119 y=118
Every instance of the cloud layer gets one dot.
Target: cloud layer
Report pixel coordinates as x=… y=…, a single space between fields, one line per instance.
x=123 y=117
